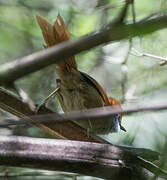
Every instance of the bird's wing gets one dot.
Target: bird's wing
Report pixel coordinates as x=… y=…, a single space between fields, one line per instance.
x=98 y=87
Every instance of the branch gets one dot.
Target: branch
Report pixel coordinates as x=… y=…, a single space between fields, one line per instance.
x=135 y=52
x=66 y=130
x=12 y=71
x=35 y=173
x=61 y=125
x=93 y=113
x=92 y=159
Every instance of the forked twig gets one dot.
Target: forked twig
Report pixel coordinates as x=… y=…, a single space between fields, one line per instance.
x=135 y=52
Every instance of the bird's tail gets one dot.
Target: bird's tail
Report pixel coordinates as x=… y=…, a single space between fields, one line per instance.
x=54 y=34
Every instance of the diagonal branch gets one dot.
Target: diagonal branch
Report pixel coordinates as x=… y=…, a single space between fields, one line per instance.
x=12 y=71
x=65 y=130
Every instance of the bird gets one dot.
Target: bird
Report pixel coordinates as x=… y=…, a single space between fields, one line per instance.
x=77 y=90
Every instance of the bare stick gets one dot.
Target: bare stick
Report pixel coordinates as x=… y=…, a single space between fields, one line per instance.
x=135 y=52
x=102 y=112
x=16 y=69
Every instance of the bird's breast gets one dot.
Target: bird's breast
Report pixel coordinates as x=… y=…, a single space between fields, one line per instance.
x=75 y=93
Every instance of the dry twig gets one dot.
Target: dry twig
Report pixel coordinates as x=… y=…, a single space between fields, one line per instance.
x=135 y=52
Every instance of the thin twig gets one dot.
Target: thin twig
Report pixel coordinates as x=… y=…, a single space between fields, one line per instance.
x=123 y=13
x=38 y=173
x=124 y=72
x=133 y=11
x=135 y=52
x=125 y=76
x=123 y=65
x=102 y=112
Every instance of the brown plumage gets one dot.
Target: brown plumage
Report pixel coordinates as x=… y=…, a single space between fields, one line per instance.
x=77 y=90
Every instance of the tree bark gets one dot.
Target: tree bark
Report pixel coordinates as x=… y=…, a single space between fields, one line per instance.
x=92 y=159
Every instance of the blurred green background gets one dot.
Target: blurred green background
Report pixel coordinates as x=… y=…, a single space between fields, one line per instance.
x=135 y=81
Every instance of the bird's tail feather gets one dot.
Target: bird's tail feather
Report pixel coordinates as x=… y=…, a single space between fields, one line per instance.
x=54 y=34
